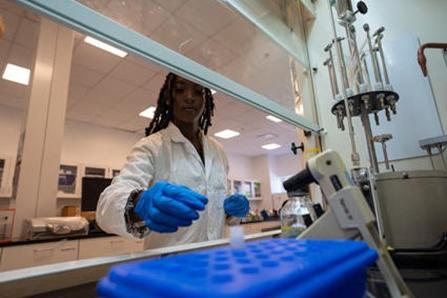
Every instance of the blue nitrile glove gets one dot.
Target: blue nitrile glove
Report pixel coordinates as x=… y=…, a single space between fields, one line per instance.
x=164 y=207
x=236 y=205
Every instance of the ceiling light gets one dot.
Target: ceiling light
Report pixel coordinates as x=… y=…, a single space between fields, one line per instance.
x=213 y=91
x=226 y=134
x=16 y=74
x=148 y=113
x=273 y=118
x=105 y=47
x=272 y=146
x=267 y=136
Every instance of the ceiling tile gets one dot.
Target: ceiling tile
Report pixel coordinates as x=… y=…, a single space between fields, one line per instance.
x=212 y=54
x=28 y=34
x=143 y=16
x=171 y=5
x=144 y=63
x=21 y=56
x=178 y=35
x=84 y=76
x=132 y=73
x=12 y=101
x=77 y=92
x=109 y=92
x=206 y=16
x=4 y=49
x=155 y=84
x=237 y=34
x=11 y=7
x=94 y=58
x=12 y=22
x=14 y=90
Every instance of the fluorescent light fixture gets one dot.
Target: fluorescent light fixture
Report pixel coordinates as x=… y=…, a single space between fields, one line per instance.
x=213 y=91
x=105 y=47
x=148 y=113
x=271 y=146
x=273 y=118
x=15 y=73
x=226 y=134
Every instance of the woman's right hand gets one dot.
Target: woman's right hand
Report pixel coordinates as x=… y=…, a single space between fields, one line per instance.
x=164 y=207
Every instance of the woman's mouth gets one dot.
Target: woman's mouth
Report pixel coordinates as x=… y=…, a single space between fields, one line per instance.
x=189 y=109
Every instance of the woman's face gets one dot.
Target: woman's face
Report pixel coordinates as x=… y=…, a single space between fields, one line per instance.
x=189 y=101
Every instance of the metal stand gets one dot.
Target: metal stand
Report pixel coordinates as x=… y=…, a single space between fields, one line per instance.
x=362 y=105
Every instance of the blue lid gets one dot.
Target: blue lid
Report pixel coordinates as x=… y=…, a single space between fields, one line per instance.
x=264 y=268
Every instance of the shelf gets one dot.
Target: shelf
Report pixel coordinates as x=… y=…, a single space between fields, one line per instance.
x=255 y=199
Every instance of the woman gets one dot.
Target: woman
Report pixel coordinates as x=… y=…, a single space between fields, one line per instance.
x=173 y=186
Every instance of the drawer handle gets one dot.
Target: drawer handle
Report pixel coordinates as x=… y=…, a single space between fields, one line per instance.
x=68 y=248
x=43 y=250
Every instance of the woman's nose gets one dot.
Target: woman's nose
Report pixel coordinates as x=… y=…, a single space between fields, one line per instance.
x=189 y=94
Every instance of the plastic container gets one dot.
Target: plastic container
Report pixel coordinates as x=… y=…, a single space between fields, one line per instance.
x=268 y=268
x=296 y=215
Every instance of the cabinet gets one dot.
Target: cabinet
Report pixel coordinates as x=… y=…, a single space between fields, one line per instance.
x=69 y=182
x=108 y=246
x=5 y=176
x=70 y=178
x=95 y=171
x=21 y=256
x=251 y=189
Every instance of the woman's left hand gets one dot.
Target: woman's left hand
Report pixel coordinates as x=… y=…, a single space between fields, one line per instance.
x=236 y=205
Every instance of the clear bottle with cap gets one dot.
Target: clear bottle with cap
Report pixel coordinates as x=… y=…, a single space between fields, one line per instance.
x=296 y=214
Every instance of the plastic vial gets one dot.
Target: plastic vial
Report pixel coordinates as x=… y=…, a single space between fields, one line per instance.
x=296 y=215
x=237 y=240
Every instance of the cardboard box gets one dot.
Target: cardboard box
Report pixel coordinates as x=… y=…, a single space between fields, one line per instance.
x=71 y=211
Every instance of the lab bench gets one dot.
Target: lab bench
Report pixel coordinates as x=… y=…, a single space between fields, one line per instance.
x=78 y=277
x=29 y=253
x=424 y=273
x=256 y=227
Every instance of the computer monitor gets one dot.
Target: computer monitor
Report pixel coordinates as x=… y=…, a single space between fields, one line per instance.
x=92 y=187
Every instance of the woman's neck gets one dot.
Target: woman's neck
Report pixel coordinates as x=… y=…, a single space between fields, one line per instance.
x=188 y=130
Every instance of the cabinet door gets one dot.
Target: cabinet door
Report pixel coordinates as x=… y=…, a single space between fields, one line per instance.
x=90 y=171
x=108 y=246
x=22 y=256
x=5 y=177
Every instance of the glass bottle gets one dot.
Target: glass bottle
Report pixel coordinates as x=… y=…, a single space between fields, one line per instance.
x=296 y=215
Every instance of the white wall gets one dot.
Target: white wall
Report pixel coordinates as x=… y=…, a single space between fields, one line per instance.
x=95 y=145
x=282 y=166
x=422 y=18
x=10 y=123
x=254 y=169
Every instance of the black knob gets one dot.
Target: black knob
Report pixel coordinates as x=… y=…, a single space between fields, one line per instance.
x=361 y=7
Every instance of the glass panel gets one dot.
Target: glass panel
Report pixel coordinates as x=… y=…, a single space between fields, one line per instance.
x=217 y=37
x=17 y=50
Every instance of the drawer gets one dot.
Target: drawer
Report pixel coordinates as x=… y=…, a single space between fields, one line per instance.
x=108 y=246
x=22 y=256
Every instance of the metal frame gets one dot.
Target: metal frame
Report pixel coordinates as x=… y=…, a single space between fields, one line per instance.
x=77 y=16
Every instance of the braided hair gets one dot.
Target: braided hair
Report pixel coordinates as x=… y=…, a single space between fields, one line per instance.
x=163 y=113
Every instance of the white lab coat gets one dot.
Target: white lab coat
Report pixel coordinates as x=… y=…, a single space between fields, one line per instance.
x=168 y=155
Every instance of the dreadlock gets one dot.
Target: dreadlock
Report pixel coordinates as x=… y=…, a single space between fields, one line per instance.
x=163 y=113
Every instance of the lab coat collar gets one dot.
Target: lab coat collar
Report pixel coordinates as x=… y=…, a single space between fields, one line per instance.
x=174 y=133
